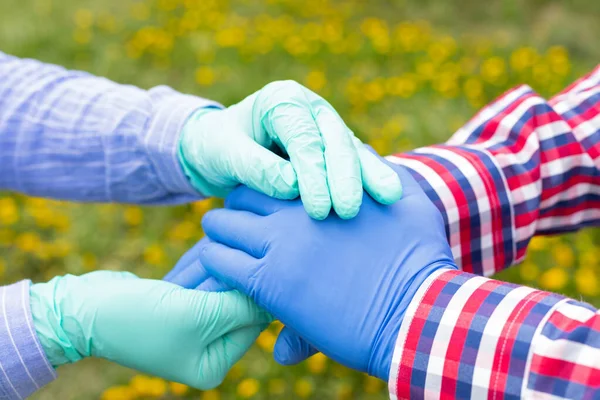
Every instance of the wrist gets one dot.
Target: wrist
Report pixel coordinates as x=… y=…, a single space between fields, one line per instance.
x=190 y=160
x=47 y=320
x=381 y=360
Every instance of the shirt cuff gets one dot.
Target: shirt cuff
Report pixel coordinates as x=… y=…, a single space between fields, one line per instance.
x=163 y=135
x=24 y=367
x=466 y=336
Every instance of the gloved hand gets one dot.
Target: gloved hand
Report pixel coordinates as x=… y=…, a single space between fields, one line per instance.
x=327 y=165
x=343 y=286
x=156 y=327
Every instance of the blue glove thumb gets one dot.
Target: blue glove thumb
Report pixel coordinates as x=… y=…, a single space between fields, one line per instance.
x=291 y=349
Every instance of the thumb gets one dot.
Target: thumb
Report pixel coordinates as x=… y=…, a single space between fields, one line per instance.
x=291 y=349
x=223 y=353
x=262 y=170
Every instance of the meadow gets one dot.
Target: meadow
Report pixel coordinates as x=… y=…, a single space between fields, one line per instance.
x=402 y=73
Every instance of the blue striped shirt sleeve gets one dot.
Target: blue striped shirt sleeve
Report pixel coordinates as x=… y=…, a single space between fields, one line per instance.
x=74 y=136
x=24 y=367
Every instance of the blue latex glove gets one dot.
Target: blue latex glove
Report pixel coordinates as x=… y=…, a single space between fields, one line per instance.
x=156 y=327
x=327 y=165
x=343 y=286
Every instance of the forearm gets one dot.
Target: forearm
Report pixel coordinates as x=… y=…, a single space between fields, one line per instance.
x=466 y=336
x=24 y=367
x=522 y=166
x=70 y=135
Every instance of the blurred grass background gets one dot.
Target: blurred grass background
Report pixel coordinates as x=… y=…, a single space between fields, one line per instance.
x=403 y=73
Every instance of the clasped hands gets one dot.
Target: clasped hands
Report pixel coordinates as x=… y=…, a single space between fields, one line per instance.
x=339 y=281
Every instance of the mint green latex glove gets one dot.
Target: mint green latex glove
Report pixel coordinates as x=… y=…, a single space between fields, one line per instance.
x=328 y=166
x=156 y=327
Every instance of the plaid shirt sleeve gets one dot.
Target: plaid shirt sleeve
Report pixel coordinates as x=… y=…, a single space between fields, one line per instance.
x=522 y=166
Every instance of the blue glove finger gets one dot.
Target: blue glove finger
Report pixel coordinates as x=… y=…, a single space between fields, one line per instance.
x=190 y=273
x=342 y=162
x=380 y=180
x=184 y=262
x=286 y=117
x=212 y=284
x=232 y=267
x=291 y=349
x=253 y=201
x=235 y=228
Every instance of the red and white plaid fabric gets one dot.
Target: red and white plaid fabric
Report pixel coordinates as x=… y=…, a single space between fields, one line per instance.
x=522 y=166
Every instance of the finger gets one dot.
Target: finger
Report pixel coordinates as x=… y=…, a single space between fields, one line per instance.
x=240 y=230
x=183 y=264
x=342 y=162
x=380 y=181
x=189 y=272
x=262 y=170
x=232 y=267
x=245 y=199
x=212 y=284
x=223 y=353
x=291 y=349
x=287 y=118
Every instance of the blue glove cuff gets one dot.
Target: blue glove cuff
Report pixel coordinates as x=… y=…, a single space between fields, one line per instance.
x=383 y=351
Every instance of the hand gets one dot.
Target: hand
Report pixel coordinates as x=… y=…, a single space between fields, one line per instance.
x=343 y=286
x=156 y=327
x=327 y=165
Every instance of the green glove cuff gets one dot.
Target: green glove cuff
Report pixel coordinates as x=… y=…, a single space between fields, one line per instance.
x=196 y=180
x=47 y=322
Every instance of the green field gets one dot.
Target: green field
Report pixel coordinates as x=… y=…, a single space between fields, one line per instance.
x=403 y=74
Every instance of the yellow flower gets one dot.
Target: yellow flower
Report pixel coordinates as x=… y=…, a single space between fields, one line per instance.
x=317 y=363
x=374 y=91
x=118 y=393
x=205 y=76
x=6 y=236
x=523 y=58
x=89 y=261
x=554 y=279
x=529 y=271
x=133 y=215
x=9 y=213
x=83 y=18
x=154 y=255
x=211 y=395
x=563 y=255
x=178 y=389
x=473 y=88
x=28 y=242
x=82 y=36
x=147 y=386
x=183 y=230
x=537 y=243
x=345 y=392
x=316 y=80
x=586 y=281
x=493 y=69
x=403 y=86
x=277 y=386
x=266 y=340
x=230 y=37
x=373 y=385
x=303 y=388
x=248 y=388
